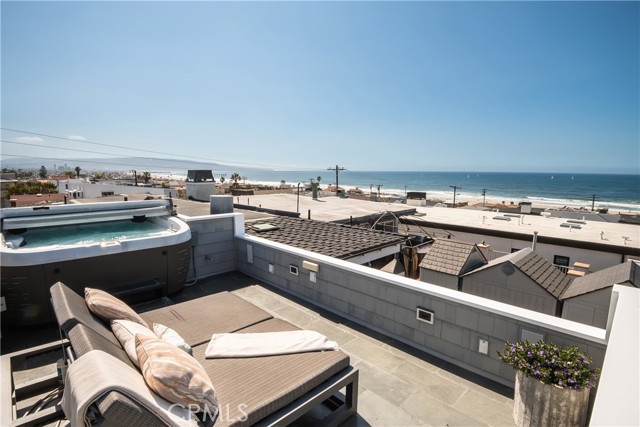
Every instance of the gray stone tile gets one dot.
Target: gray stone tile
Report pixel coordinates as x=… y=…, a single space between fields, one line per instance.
x=266 y=301
x=412 y=355
x=332 y=331
x=379 y=412
x=373 y=354
x=394 y=389
x=479 y=406
x=431 y=411
x=429 y=382
x=296 y=316
x=502 y=395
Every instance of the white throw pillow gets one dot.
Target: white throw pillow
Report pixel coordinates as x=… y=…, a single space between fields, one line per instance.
x=172 y=337
x=126 y=331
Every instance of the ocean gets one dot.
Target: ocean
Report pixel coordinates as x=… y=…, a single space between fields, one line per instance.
x=616 y=192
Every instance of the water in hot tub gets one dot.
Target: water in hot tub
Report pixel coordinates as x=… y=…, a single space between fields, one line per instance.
x=86 y=234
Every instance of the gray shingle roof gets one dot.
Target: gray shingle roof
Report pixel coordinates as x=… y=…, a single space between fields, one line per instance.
x=541 y=271
x=628 y=272
x=324 y=237
x=448 y=256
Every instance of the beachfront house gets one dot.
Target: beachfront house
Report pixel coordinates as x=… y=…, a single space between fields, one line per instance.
x=447 y=260
x=587 y=299
x=524 y=278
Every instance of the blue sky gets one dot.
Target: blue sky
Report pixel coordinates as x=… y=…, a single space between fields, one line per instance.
x=499 y=86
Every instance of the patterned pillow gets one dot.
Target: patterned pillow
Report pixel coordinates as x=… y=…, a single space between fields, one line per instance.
x=126 y=331
x=175 y=375
x=108 y=307
x=172 y=337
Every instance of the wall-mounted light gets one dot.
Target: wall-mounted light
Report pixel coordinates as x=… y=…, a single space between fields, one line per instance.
x=311 y=266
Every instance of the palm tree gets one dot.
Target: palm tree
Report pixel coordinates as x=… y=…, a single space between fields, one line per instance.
x=222 y=180
x=282 y=183
x=235 y=177
x=146 y=177
x=77 y=169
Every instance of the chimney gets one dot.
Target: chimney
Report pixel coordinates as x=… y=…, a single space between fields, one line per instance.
x=535 y=241
x=484 y=249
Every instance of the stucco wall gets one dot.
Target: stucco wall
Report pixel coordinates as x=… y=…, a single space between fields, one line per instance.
x=213 y=241
x=590 y=309
x=507 y=284
x=438 y=278
x=388 y=303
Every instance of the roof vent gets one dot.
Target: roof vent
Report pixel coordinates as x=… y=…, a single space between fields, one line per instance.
x=260 y=228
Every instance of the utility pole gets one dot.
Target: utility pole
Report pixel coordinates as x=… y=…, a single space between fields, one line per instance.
x=379 y=185
x=298 y=200
x=593 y=202
x=337 y=169
x=484 y=196
x=455 y=188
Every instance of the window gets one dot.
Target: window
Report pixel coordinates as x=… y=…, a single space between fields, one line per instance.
x=107 y=193
x=561 y=260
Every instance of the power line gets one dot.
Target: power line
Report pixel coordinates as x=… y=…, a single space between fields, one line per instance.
x=136 y=149
x=70 y=149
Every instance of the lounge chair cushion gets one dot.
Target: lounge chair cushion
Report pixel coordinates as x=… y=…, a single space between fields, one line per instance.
x=265 y=385
x=108 y=307
x=196 y=320
x=171 y=336
x=126 y=331
x=175 y=375
x=71 y=309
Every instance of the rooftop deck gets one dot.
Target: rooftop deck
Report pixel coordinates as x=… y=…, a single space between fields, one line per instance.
x=399 y=386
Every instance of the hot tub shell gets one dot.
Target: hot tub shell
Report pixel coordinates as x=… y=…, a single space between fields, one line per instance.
x=134 y=269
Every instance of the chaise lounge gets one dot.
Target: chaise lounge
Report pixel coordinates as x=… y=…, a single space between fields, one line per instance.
x=268 y=390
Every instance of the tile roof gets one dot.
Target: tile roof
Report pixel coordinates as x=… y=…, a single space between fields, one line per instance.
x=628 y=272
x=448 y=256
x=324 y=237
x=543 y=272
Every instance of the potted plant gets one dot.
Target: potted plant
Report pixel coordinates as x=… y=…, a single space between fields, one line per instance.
x=552 y=383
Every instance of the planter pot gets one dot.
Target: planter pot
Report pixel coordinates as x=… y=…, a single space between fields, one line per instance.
x=538 y=404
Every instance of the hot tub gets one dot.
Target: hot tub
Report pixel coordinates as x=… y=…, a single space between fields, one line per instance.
x=136 y=250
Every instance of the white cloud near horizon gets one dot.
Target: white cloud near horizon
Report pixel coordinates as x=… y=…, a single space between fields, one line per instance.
x=29 y=139
x=77 y=137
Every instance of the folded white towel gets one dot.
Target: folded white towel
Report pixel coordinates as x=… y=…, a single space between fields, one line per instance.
x=267 y=344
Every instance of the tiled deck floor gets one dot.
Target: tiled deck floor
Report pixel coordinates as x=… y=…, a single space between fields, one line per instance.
x=399 y=386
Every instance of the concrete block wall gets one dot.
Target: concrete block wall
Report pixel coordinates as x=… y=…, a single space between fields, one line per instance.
x=213 y=244
x=388 y=303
